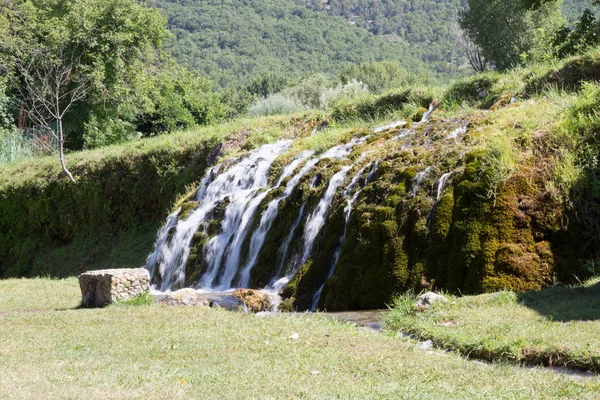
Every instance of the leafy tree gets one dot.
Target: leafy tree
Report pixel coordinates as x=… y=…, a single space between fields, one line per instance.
x=507 y=33
x=133 y=87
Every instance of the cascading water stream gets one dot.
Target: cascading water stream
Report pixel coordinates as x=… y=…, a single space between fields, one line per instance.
x=162 y=237
x=455 y=134
x=442 y=185
x=427 y=113
x=259 y=236
x=239 y=186
x=347 y=212
x=419 y=179
x=240 y=183
x=284 y=248
x=315 y=220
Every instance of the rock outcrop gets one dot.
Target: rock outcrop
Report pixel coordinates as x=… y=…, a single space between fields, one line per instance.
x=255 y=300
x=100 y=288
x=185 y=297
x=426 y=300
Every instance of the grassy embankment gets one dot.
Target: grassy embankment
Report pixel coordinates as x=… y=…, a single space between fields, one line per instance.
x=155 y=351
x=109 y=217
x=557 y=326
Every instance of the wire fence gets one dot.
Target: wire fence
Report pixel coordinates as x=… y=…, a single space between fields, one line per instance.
x=18 y=145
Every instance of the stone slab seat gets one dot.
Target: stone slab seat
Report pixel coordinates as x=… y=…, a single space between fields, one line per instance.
x=100 y=288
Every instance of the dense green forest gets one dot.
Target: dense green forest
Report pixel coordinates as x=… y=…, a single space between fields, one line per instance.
x=231 y=41
x=235 y=41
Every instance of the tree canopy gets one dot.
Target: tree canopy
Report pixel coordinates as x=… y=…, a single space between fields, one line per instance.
x=115 y=46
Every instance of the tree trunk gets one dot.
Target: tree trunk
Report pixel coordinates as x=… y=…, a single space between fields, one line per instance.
x=61 y=154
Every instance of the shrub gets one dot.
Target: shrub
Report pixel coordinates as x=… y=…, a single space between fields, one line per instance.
x=379 y=77
x=353 y=90
x=275 y=104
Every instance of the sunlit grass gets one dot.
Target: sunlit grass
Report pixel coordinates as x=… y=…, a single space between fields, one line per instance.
x=151 y=351
x=557 y=326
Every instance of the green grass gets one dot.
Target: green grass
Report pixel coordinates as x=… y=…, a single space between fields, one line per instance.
x=556 y=326
x=152 y=351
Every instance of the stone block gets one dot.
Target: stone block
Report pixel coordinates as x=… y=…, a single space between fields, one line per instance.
x=100 y=288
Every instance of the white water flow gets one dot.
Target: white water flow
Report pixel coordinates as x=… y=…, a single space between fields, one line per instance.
x=347 y=212
x=419 y=179
x=442 y=185
x=162 y=237
x=315 y=220
x=427 y=113
x=371 y=175
x=240 y=183
x=285 y=246
x=228 y=244
x=455 y=134
x=393 y=125
x=258 y=237
x=260 y=234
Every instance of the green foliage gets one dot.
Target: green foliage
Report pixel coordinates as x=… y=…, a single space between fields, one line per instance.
x=275 y=104
x=509 y=35
x=113 y=49
x=584 y=35
x=143 y=299
x=426 y=25
x=245 y=42
x=379 y=77
x=374 y=107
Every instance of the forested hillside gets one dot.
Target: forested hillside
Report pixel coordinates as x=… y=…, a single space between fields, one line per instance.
x=233 y=40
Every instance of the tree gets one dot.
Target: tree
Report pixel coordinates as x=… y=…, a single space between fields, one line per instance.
x=507 y=33
x=113 y=49
x=473 y=52
x=51 y=88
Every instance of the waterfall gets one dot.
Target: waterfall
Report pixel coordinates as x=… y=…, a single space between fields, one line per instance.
x=442 y=185
x=163 y=235
x=241 y=183
x=239 y=186
x=419 y=179
x=259 y=236
x=347 y=212
x=427 y=113
x=456 y=133
x=283 y=249
x=316 y=219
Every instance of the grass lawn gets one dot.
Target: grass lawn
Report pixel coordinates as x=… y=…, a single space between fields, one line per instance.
x=556 y=326
x=162 y=352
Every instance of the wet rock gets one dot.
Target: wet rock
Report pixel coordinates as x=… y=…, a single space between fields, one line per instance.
x=425 y=300
x=255 y=300
x=100 y=288
x=184 y=297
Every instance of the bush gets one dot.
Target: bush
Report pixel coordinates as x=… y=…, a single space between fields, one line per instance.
x=379 y=77
x=353 y=90
x=275 y=104
x=308 y=92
